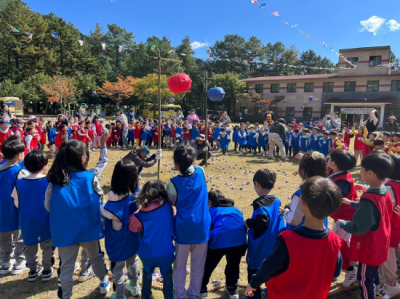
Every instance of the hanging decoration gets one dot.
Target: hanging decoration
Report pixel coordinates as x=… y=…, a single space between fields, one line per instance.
x=248 y=71
x=94 y=93
x=30 y=36
x=171 y=100
x=103 y=46
x=208 y=51
x=14 y=29
x=120 y=49
x=55 y=34
x=311 y=98
x=153 y=47
x=253 y=1
x=284 y=100
x=179 y=83
x=216 y=94
x=80 y=42
x=275 y=13
x=263 y=5
x=302 y=108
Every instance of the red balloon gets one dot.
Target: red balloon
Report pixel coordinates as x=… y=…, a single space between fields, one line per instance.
x=179 y=83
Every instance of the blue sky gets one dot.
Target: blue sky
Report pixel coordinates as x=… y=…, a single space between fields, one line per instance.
x=340 y=23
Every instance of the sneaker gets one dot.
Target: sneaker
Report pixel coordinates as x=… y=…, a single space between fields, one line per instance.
x=203 y=293
x=105 y=285
x=33 y=275
x=391 y=291
x=233 y=292
x=135 y=291
x=19 y=267
x=350 y=277
x=271 y=159
x=285 y=160
x=76 y=267
x=47 y=274
x=382 y=279
x=115 y=296
x=85 y=275
x=6 y=267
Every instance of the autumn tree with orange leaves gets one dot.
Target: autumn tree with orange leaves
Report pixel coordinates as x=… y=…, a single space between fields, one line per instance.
x=118 y=91
x=61 y=89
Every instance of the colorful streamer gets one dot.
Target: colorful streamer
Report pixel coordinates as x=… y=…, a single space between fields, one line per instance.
x=30 y=36
x=275 y=13
x=55 y=34
x=103 y=46
x=80 y=42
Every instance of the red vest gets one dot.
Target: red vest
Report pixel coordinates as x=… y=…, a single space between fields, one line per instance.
x=397 y=144
x=155 y=135
x=186 y=135
x=81 y=138
x=395 y=221
x=14 y=129
x=34 y=143
x=367 y=150
x=347 y=137
x=345 y=212
x=173 y=131
x=4 y=137
x=372 y=248
x=58 y=141
x=74 y=134
x=99 y=126
x=90 y=133
x=315 y=259
x=42 y=133
x=358 y=145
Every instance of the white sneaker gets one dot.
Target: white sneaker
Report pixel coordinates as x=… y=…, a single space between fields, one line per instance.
x=391 y=291
x=135 y=290
x=19 y=267
x=350 y=277
x=382 y=279
x=6 y=267
x=105 y=286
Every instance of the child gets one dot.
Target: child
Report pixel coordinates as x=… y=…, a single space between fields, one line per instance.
x=98 y=128
x=33 y=217
x=389 y=268
x=386 y=137
x=369 y=144
x=294 y=142
x=82 y=134
x=396 y=143
x=295 y=125
x=143 y=134
x=325 y=144
x=336 y=141
x=215 y=131
x=310 y=244
x=42 y=133
x=310 y=165
x=313 y=141
x=195 y=131
x=227 y=238
x=155 y=134
x=265 y=224
x=347 y=134
x=288 y=147
x=262 y=141
x=131 y=136
x=51 y=136
x=150 y=133
x=155 y=222
x=379 y=145
x=31 y=139
x=242 y=138
x=192 y=222
x=119 y=130
x=173 y=132
x=137 y=132
x=13 y=151
x=370 y=228
x=179 y=134
x=304 y=140
x=91 y=135
x=5 y=132
x=121 y=244
x=359 y=146
x=253 y=140
x=62 y=136
x=114 y=137
x=235 y=137
x=320 y=125
x=73 y=196
x=187 y=135
x=167 y=133
x=223 y=140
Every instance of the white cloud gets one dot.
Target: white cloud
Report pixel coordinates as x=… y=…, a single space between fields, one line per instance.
x=373 y=24
x=197 y=45
x=393 y=25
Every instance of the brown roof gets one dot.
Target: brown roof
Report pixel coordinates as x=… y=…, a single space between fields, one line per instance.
x=365 y=49
x=352 y=101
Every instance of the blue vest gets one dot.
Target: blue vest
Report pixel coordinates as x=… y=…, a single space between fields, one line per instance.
x=303 y=142
x=151 y=132
x=192 y=220
x=295 y=141
x=179 y=131
x=228 y=228
x=216 y=132
x=75 y=211
x=224 y=141
x=326 y=145
x=252 y=140
x=34 y=219
x=195 y=133
x=242 y=141
x=314 y=143
x=167 y=131
x=8 y=211
x=262 y=139
x=131 y=135
x=235 y=136
x=51 y=135
x=288 y=135
x=288 y=226
x=261 y=248
x=143 y=135
x=123 y=244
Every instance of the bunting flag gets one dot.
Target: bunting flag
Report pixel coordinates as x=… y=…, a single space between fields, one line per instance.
x=120 y=49
x=14 y=29
x=263 y=5
x=153 y=47
x=55 y=34
x=80 y=42
x=170 y=51
x=253 y=1
x=30 y=36
x=275 y=13
x=285 y=23
x=103 y=46
x=294 y=26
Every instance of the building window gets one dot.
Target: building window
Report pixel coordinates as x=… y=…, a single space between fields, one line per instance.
x=258 y=110
x=395 y=85
x=350 y=86
x=274 y=110
x=328 y=86
x=309 y=87
x=372 y=85
x=291 y=87
x=289 y=111
x=243 y=110
x=325 y=111
x=307 y=112
x=259 y=88
x=374 y=60
x=274 y=88
x=353 y=61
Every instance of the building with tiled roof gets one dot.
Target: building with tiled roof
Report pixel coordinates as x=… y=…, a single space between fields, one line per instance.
x=350 y=92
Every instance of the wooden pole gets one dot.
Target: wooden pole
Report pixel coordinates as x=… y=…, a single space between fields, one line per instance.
x=159 y=112
x=205 y=108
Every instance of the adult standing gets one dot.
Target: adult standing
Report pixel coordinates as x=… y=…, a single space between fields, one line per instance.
x=392 y=125
x=141 y=157
x=192 y=117
x=179 y=115
x=333 y=123
x=276 y=134
x=5 y=113
x=268 y=121
x=124 y=122
x=371 y=124
x=225 y=118
x=131 y=114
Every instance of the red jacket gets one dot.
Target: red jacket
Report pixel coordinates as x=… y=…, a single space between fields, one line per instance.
x=58 y=141
x=372 y=248
x=42 y=133
x=346 y=137
x=345 y=212
x=186 y=134
x=98 y=126
x=315 y=259
x=4 y=137
x=137 y=132
x=368 y=149
x=395 y=221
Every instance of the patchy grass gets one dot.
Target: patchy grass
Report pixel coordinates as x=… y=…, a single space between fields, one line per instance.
x=232 y=170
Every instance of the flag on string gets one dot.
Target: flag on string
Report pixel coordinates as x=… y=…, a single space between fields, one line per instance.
x=253 y=1
x=285 y=23
x=30 y=36
x=153 y=47
x=55 y=34
x=294 y=26
x=275 y=13
x=263 y=5
x=120 y=49
x=80 y=42
x=307 y=35
x=182 y=54
x=14 y=29
x=103 y=46
x=170 y=51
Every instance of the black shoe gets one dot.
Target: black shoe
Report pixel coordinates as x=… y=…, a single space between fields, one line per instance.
x=233 y=292
x=203 y=293
x=33 y=275
x=47 y=274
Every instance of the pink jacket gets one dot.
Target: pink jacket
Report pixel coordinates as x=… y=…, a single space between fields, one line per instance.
x=192 y=117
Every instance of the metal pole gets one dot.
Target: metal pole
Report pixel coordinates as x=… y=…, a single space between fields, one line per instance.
x=205 y=106
x=159 y=111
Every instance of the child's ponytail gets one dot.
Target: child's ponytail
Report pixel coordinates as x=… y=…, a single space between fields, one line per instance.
x=313 y=165
x=184 y=155
x=68 y=157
